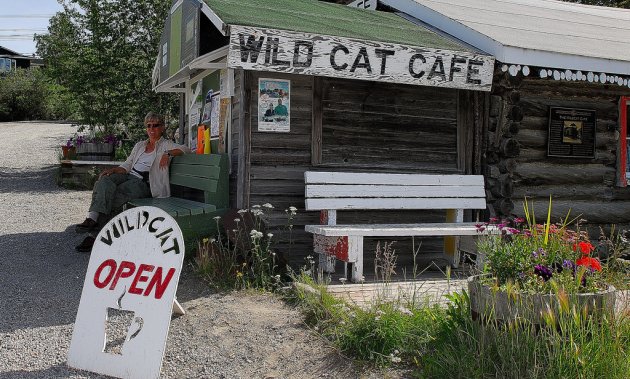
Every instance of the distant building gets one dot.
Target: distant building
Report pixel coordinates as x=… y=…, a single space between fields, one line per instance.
x=11 y=60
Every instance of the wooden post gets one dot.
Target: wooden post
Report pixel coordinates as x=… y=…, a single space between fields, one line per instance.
x=451 y=243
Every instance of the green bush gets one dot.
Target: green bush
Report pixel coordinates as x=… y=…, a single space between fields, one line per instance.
x=22 y=95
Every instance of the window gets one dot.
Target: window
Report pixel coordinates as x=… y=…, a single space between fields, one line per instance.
x=624 y=139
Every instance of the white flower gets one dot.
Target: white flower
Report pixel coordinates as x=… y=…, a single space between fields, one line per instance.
x=269 y=235
x=255 y=234
x=241 y=211
x=237 y=220
x=257 y=212
x=255 y=206
x=268 y=206
x=293 y=209
x=217 y=218
x=405 y=311
x=379 y=312
x=377 y=318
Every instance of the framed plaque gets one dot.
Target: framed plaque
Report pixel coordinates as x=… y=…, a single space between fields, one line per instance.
x=571 y=133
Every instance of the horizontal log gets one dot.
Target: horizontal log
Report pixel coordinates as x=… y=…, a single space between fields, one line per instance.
x=540 y=173
x=599 y=212
x=538 y=138
x=601 y=156
x=560 y=192
x=542 y=123
x=537 y=105
x=577 y=89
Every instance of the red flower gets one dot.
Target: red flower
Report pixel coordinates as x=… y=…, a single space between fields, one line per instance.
x=585 y=247
x=589 y=262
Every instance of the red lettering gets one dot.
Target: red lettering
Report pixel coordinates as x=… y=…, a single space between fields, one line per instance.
x=160 y=285
x=125 y=270
x=112 y=268
x=140 y=278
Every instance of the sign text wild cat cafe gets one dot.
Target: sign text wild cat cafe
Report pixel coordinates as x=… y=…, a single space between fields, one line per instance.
x=310 y=54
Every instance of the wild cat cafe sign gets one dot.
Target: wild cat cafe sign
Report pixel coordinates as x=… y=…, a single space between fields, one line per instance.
x=310 y=54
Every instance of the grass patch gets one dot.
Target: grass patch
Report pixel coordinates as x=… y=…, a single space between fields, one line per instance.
x=437 y=342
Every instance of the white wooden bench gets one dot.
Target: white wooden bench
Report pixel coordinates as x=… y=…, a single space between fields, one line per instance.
x=329 y=192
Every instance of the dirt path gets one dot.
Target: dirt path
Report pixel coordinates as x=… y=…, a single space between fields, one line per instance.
x=41 y=277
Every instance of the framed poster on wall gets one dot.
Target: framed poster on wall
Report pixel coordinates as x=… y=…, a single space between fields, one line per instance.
x=571 y=133
x=274 y=105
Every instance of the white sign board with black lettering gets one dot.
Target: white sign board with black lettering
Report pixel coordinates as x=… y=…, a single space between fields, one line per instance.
x=310 y=54
x=132 y=277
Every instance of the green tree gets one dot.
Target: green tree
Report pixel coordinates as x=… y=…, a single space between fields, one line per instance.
x=103 y=52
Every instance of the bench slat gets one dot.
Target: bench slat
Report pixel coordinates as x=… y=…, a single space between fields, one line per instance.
x=160 y=203
x=194 y=182
x=395 y=203
x=202 y=159
x=315 y=177
x=202 y=171
x=380 y=191
x=392 y=230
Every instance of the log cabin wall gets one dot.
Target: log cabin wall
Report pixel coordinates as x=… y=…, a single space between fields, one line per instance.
x=517 y=161
x=345 y=125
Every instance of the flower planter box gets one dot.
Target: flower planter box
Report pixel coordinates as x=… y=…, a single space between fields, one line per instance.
x=92 y=151
x=498 y=305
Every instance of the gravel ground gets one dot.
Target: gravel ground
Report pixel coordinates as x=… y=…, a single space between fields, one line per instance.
x=41 y=277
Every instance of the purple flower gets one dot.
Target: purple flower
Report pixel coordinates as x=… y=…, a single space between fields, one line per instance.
x=543 y=271
x=519 y=220
x=542 y=252
x=534 y=254
x=568 y=265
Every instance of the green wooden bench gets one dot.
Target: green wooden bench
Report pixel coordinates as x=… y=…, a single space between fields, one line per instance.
x=199 y=192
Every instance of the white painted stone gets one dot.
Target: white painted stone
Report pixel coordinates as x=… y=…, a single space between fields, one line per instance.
x=525 y=70
x=134 y=266
x=311 y=54
x=513 y=70
x=573 y=76
x=504 y=68
x=556 y=75
x=543 y=73
x=562 y=76
x=589 y=76
x=602 y=77
x=579 y=75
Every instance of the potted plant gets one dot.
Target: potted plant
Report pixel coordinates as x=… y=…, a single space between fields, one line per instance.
x=69 y=150
x=531 y=270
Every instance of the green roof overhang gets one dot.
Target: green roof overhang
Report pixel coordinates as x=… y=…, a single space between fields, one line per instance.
x=317 y=17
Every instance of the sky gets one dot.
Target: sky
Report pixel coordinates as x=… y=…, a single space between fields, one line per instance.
x=21 y=19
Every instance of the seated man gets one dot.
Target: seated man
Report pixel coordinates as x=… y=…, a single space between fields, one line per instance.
x=143 y=174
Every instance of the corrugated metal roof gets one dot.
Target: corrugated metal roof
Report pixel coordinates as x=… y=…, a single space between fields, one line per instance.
x=532 y=26
x=312 y=16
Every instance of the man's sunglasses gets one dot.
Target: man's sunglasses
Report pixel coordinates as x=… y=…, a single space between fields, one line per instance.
x=153 y=125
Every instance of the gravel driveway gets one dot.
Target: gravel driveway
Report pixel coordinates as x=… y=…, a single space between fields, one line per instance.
x=41 y=277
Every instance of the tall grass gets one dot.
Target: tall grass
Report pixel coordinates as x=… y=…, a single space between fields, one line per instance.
x=445 y=342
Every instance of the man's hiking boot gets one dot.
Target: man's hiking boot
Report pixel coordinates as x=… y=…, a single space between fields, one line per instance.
x=86 y=245
x=88 y=225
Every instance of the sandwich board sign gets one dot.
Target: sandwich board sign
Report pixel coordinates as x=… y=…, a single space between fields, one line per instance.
x=128 y=295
